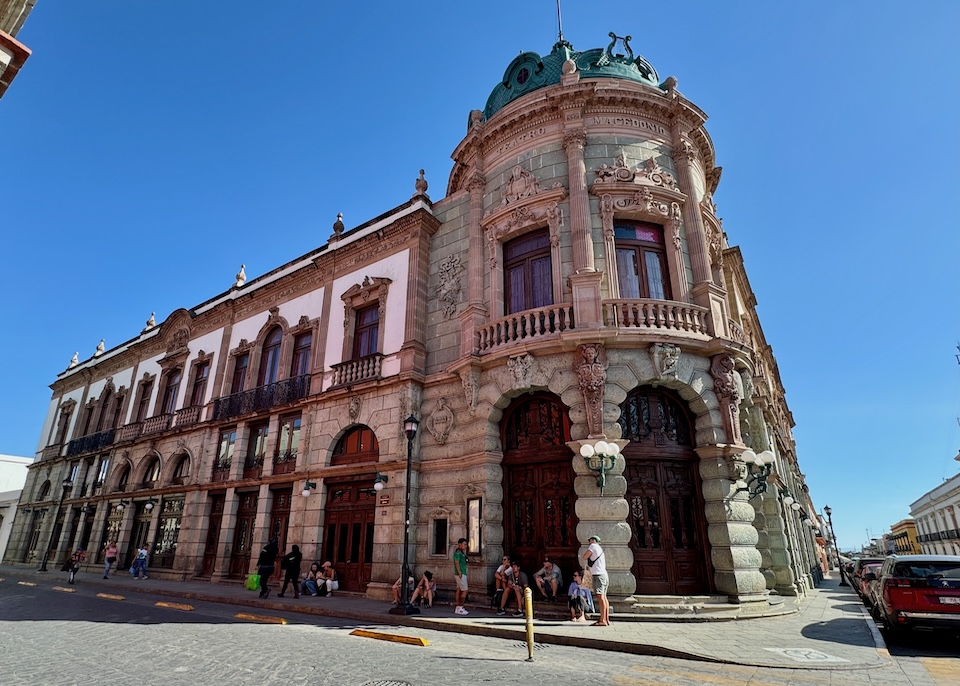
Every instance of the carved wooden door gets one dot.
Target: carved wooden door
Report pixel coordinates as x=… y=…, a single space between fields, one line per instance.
x=279 y=521
x=243 y=536
x=538 y=494
x=669 y=542
x=212 y=541
x=348 y=532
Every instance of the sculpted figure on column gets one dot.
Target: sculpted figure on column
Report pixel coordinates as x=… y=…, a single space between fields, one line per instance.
x=591 y=367
x=722 y=369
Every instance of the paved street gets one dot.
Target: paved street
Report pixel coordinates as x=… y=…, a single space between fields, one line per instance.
x=46 y=635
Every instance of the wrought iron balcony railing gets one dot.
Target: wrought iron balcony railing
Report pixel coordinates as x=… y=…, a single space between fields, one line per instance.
x=262 y=398
x=90 y=443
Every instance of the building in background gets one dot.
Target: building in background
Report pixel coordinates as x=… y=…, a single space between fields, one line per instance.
x=13 y=475
x=13 y=53
x=573 y=290
x=937 y=517
x=902 y=539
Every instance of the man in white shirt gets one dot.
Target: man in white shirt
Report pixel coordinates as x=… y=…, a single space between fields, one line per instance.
x=598 y=567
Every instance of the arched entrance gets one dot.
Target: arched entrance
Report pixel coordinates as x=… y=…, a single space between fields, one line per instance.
x=538 y=495
x=348 y=522
x=669 y=542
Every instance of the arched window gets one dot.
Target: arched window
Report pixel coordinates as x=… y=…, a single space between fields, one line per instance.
x=641 y=260
x=124 y=478
x=170 y=392
x=44 y=491
x=528 y=272
x=104 y=409
x=301 y=355
x=359 y=444
x=270 y=357
x=181 y=471
x=152 y=475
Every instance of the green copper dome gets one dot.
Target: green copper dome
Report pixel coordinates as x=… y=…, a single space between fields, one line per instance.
x=529 y=71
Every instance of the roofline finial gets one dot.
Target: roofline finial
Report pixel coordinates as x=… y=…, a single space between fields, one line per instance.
x=559 y=23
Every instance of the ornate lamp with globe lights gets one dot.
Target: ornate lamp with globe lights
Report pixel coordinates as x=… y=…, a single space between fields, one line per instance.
x=600 y=457
x=759 y=466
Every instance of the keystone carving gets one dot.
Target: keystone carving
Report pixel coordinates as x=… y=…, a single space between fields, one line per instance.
x=353 y=409
x=521 y=368
x=649 y=173
x=665 y=357
x=521 y=184
x=471 y=387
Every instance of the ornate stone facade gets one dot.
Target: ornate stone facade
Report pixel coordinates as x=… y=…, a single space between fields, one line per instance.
x=504 y=323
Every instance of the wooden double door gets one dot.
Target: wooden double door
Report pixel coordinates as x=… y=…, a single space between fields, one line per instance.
x=348 y=531
x=664 y=493
x=538 y=492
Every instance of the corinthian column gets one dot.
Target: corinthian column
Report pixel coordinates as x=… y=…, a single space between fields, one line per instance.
x=684 y=155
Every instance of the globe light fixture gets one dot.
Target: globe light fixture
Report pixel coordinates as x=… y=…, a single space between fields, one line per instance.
x=601 y=457
x=759 y=466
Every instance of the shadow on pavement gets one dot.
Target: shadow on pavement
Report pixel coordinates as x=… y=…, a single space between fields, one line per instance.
x=849 y=631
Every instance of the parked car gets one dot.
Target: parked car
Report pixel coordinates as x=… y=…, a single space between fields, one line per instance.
x=856 y=572
x=868 y=575
x=918 y=591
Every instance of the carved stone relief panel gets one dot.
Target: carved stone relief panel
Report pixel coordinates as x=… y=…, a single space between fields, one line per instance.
x=441 y=421
x=450 y=287
x=590 y=365
x=521 y=370
x=666 y=358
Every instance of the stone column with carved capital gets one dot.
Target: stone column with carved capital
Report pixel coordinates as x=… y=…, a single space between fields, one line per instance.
x=684 y=156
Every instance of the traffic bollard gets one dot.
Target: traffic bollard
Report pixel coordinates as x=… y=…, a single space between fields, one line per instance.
x=528 y=612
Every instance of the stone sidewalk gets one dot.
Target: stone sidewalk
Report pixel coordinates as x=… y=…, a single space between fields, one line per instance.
x=830 y=631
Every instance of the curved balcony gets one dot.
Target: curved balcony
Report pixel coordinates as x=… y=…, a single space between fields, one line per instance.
x=537 y=324
x=661 y=316
x=367 y=368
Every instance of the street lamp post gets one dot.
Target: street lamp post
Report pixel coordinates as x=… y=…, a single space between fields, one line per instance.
x=828 y=512
x=405 y=608
x=67 y=485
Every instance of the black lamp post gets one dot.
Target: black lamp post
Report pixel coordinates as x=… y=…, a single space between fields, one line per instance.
x=405 y=608
x=67 y=485
x=843 y=578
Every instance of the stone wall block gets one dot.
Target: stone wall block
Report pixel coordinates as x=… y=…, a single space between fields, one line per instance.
x=607 y=510
x=615 y=534
x=732 y=534
x=729 y=512
x=736 y=583
x=739 y=558
x=621 y=583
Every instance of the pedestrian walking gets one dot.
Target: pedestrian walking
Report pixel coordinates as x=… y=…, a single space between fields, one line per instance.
x=460 y=572
x=110 y=558
x=598 y=568
x=290 y=564
x=73 y=565
x=266 y=563
x=140 y=562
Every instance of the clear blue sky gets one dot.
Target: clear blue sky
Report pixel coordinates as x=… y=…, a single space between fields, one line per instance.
x=151 y=148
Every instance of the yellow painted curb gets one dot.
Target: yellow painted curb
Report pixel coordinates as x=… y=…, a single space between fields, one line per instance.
x=110 y=596
x=64 y=589
x=174 y=606
x=395 y=638
x=260 y=618
x=26 y=583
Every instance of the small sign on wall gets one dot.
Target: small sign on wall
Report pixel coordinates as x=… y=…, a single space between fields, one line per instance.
x=384 y=499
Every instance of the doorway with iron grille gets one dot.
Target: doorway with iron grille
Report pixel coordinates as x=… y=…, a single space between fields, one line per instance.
x=671 y=553
x=538 y=494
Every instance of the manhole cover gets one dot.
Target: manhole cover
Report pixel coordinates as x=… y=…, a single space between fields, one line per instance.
x=386 y=682
x=536 y=646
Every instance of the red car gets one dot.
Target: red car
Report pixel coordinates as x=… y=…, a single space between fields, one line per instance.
x=863 y=581
x=919 y=591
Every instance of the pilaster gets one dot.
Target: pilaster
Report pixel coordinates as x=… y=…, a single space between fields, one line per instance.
x=581 y=234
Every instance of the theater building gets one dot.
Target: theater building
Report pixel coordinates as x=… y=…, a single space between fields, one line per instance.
x=573 y=285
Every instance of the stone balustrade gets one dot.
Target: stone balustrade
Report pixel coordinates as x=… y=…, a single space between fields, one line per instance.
x=657 y=315
x=539 y=322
